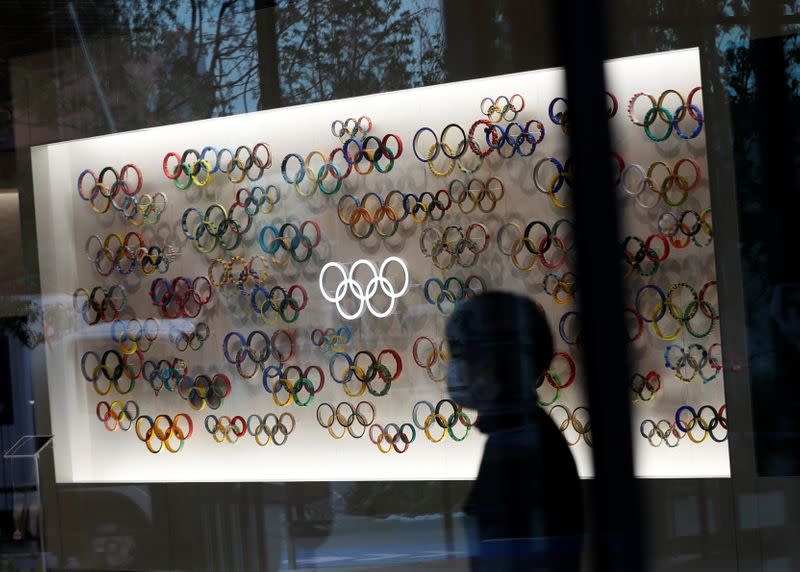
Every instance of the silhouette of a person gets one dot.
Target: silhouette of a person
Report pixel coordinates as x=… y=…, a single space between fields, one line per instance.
x=525 y=511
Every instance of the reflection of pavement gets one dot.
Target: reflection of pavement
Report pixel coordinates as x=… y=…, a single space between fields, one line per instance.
x=395 y=543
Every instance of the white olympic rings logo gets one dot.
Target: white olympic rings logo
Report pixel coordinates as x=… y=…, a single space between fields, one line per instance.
x=363 y=295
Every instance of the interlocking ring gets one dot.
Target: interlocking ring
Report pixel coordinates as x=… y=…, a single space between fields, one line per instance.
x=660 y=432
x=475 y=193
x=673 y=179
x=164 y=432
x=440 y=145
x=384 y=219
x=698 y=316
x=355 y=149
x=270 y=428
x=202 y=390
x=297 y=383
x=112 y=366
x=132 y=335
x=331 y=340
x=196 y=168
x=531 y=246
x=645 y=387
x=429 y=354
x=557 y=378
x=561 y=118
x=581 y=429
x=351 y=128
x=360 y=152
x=672 y=120
x=101 y=304
x=109 y=186
x=110 y=189
x=707 y=418
x=691 y=361
x=279 y=303
x=290 y=238
x=347 y=417
x=438 y=417
x=454 y=245
x=364 y=295
x=561 y=288
x=554 y=181
x=214 y=227
x=258 y=347
x=116 y=415
x=238 y=272
x=392 y=437
x=182 y=297
x=502 y=108
x=189 y=335
x=253 y=200
x=516 y=138
x=125 y=254
x=475 y=146
x=427 y=205
x=164 y=374
x=569 y=329
x=224 y=429
x=366 y=369
x=645 y=259
x=445 y=294
x=690 y=224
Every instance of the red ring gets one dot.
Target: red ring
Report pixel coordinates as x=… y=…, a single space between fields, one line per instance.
x=177 y=172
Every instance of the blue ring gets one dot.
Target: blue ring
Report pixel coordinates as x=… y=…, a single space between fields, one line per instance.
x=663 y=302
x=349 y=160
x=219 y=162
x=225 y=345
x=337 y=176
x=275 y=244
x=349 y=334
x=562 y=333
x=301 y=173
x=256 y=289
x=349 y=367
x=427 y=285
x=556 y=119
x=668 y=362
x=266 y=377
x=414 y=144
x=678 y=423
x=699 y=120
x=216 y=157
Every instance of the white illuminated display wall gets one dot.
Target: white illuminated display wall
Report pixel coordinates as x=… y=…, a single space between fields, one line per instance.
x=86 y=452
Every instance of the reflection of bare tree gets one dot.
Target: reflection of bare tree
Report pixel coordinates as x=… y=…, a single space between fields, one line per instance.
x=344 y=48
x=162 y=62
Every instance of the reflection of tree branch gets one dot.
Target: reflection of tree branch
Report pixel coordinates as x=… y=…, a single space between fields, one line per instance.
x=250 y=71
x=300 y=18
x=218 y=35
x=294 y=60
x=382 y=37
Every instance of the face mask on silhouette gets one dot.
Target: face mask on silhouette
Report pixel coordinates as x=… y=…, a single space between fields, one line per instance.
x=470 y=385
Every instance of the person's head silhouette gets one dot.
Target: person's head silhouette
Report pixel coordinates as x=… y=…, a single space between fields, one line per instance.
x=500 y=345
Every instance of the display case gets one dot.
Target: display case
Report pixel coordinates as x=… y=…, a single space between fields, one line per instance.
x=214 y=290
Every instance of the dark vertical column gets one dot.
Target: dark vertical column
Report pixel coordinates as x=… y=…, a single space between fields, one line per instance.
x=774 y=365
x=722 y=181
x=616 y=516
x=267 y=46
x=469 y=34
